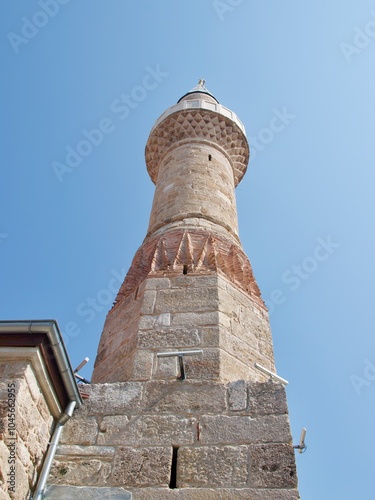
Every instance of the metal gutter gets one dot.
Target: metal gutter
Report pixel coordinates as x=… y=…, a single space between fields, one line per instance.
x=51 y=329
x=47 y=464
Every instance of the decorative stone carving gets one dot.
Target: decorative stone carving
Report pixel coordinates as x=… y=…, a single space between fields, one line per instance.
x=201 y=124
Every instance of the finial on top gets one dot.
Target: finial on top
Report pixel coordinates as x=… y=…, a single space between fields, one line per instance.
x=200 y=88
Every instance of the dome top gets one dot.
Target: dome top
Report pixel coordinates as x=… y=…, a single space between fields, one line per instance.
x=198 y=89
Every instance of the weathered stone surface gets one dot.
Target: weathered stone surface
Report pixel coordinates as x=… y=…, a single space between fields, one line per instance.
x=118 y=342
x=189 y=281
x=156 y=283
x=232 y=369
x=195 y=318
x=55 y=492
x=33 y=423
x=273 y=466
x=204 y=367
x=22 y=481
x=209 y=466
x=267 y=398
x=140 y=467
x=185 y=300
x=214 y=494
x=235 y=347
x=3 y=495
x=222 y=429
x=81 y=430
x=72 y=451
x=167 y=368
x=115 y=398
x=80 y=470
x=178 y=396
x=148 y=302
x=237 y=395
x=147 y=430
x=210 y=336
x=165 y=338
x=142 y=365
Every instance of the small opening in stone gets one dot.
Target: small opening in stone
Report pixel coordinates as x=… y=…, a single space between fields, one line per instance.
x=185 y=269
x=173 y=480
x=209 y=157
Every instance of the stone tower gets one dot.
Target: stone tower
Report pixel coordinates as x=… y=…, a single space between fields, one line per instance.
x=177 y=408
x=190 y=283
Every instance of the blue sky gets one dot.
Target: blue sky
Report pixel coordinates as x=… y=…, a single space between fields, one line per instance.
x=306 y=210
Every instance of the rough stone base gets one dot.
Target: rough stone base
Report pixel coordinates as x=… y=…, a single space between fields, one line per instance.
x=218 y=441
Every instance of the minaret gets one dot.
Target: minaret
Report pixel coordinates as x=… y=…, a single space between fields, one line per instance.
x=177 y=408
x=190 y=284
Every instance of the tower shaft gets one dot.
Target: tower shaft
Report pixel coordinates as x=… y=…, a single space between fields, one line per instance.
x=190 y=283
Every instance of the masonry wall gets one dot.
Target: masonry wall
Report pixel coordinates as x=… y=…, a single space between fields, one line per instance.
x=231 y=440
x=33 y=425
x=179 y=311
x=195 y=179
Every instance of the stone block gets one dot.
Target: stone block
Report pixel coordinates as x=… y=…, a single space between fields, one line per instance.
x=167 y=368
x=80 y=470
x=164 y=338
x=194 y=281
x=185 y=300
x=141 y=467
x=195 y=318
x=114 y=398
x=210 y=466
x=237 y=395
x=273 y=466
x=204 y=367
x=235 y=346
x=142 y=365
x=56 y=492
x=267 y=398
x=44 y=411
x=223 y=429
x=23 y=454
x=245 y=333
x=22 y=481
x=232 y=369
x=73 y=451
x=80 y=430
x=156 y=283
x=266 y=348
x=148 y=302
x=210 y=336
x=147 y=322
x=155 y=430
x=187 y=396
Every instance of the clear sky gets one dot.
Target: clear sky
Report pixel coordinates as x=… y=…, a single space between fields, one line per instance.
x=300 y=75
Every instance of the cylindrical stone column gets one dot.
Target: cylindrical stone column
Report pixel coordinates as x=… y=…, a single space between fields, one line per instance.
x=196 y=154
